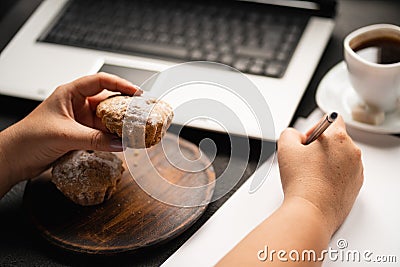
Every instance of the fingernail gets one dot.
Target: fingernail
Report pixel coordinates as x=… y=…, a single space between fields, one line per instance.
x=139 y=91
x=116 y=145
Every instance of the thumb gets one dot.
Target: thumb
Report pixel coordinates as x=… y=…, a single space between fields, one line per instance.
x=290 y=137
x=93 y=139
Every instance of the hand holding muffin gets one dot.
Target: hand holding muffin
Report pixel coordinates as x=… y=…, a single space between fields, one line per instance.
x=65 y=121
x=91 y=177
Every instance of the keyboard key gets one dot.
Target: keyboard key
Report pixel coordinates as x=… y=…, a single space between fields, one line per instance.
x=282 y=56
x=155 y=49
x=163 y=38
x=254 y=52
x=274 y=70
x=212 y=56
x=224 y=48
x=256 y=69
x=148 y=37
x=237 y=39
x=178 y=41
x=209 y=46
x=193 y=44
x=241 y=65
x=291 y=37
x=227 y=59
x=259 y=61
x=196 y=55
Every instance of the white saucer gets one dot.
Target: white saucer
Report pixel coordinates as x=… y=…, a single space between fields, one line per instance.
x=335 y=93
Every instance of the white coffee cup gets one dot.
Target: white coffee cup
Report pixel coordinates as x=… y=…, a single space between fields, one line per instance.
x=377 y=84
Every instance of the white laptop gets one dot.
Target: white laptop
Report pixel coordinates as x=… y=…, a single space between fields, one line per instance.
x=277 y=44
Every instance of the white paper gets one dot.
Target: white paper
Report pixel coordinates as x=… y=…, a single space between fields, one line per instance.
x=371 y=227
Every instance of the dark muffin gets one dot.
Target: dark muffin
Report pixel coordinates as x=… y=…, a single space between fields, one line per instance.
x=87 y=177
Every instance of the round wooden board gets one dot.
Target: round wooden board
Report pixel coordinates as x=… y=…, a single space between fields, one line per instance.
x=130 y=220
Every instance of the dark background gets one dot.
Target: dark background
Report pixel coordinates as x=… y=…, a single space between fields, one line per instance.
x=19 y=243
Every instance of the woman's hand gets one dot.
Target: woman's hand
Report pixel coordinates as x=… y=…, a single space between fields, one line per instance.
x=65 y=121
x=327 y=173
x=320 y=182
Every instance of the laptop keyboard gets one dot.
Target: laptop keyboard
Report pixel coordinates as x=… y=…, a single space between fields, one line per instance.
x=255 y=41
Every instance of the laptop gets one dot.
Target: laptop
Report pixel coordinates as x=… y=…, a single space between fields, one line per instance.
x=276 y=44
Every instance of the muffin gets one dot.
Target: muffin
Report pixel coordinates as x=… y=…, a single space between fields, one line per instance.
x=144 y=120
x=87 y=177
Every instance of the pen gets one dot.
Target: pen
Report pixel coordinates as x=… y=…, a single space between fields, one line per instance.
x=325 y=122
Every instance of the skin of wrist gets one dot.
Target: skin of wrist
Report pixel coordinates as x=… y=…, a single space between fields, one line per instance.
x=6 y=139
x=321 y=194
x=12 y=144
x=320 y=217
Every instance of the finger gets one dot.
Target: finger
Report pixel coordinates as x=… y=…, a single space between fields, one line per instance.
x=290 y=137
x=93 y=103
x=88 y=138
x=97 y=124
x=94 y=84
x=96 y=99
x=309 y=132
x=340 y=122
x=337 y=126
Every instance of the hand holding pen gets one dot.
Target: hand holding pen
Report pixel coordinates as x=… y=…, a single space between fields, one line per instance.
x=327 y=174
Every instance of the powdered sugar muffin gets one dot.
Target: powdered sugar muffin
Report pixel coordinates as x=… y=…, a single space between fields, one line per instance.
x=144 y=120
x=87 y=177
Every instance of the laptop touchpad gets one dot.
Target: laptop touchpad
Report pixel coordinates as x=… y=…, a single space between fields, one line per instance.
x=136 y=76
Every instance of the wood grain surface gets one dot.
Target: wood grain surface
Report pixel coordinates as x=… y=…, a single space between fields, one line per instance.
x=131 y=219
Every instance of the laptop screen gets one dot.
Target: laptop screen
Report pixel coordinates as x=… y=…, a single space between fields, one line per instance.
x=290 y=3
x=322 y=7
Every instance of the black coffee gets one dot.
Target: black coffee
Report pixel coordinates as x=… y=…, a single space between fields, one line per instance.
x=382 y=50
